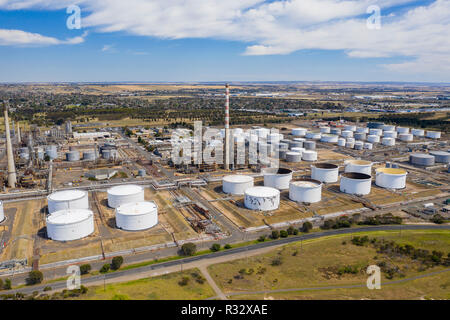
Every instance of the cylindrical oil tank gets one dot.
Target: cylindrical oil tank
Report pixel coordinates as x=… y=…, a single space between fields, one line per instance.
x=236 y=183
x=325 y=172
x=355 y=183
x=359 y=166
x=390 y=134
x=283 y=146
x=350 y=144
x=293 y=156
x=309 y=145
x=309 y=155
x=71 y=224
x=299 y=150
x=362 y=130
x=305 y=190
x=124 y=194
x=376 y=125
x=360 y=136
x=299 y=132
x=330 y=138
x=299 y=139
x=313 y=135
x=142 y=172
x=405 y=137
x=335 y=131
x=421 y=159
x=388 y=127
x=296 y=144
x=109 y=153
x=418 y=132
x=51 y=151
x=359 y=145
x=347 y=134
x=262 y=198
x=89 y=155
x=388 y=141
x=350 y=127
x=402 y=130
x=441 y=156
x=375 y=132
x=434 y=134
x=134 y=216
x=390 y=178
x=282 y=154
x=325 y=129
x=373 y=138
x=341 y=142
x=274 y=137
x=285 y=141
x=368 y=146
x=277 y=178
x=2 y=212
x=68 y=199
x=73 y=156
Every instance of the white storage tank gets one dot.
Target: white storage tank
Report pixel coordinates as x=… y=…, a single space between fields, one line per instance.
x=347 y=134
x=390 y=134
x=309 y=155
x=341 y=142
x=434 y=134
x=350 y=127
x=89 y=155
x=373 y=138
x=325 y=129
x=309 y=145
x=305 y=190
x=355 y=183
x=136 y=216
x=375 y=132
x=325 y=172
x=293 y=156
x=418 y=132
x=299 y=150
x=335 y=131
x=360 y=166
x=391 y=178
x=313 y=135
x=388 y=141
x=68 y=199
x=405 y=137
x=296 y=144
x=441 y=156
x=2 y=212
x=299 y=132
x=330 y=138
x=277 y=178
x=358 y=145
x=388 y=127
x=73 y=156
x=359 y=136
x=52 y=152
x=262 y=198
x=72 y=224
x=368 y=146
x=350 y=144
x=362 y=130
x=124 y=194
x=402 y=130
x=421 y=159
x=236 y=183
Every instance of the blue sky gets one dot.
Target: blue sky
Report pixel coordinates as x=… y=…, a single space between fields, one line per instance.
x=208 y=40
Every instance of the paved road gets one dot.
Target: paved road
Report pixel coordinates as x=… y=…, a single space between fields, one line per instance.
x=112 y=277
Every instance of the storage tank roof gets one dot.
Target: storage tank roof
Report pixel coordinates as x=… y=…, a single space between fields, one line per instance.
x=395 y=171
x=137 y=208
x=67 y=195
x=439 y=153
x=238 y=178
x=326 y=166
x=421 y=155
x=125 y=190
x=307 y=183
x=69 y=216
x=359 y=162
x=262 y=192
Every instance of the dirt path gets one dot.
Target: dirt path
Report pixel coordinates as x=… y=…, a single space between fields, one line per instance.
x=211 y=282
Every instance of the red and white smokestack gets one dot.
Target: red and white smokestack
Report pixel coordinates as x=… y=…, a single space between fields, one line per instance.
x=9 y=153
x=227 y=127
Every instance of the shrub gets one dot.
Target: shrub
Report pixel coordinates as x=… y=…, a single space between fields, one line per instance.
x=438 y=219
x=275 y=234
x=85 y=268
x=1 y=284
x=189 y=249
x=215 y=247
x=290 y=230
x=105 y=268
x=47 y=288
x=284 y=233
x=7 y=285
x=116 y=262
x=307 y=226
x=227 y=246
x=34 y=277
x=277 y=261
x=262 y=238
x=295 y=232
x=184 y=281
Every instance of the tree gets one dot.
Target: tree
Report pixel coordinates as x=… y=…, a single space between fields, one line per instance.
x=284 y=233
x=307 y=226
x=105 y=268
x=275 y=234
x=262 y=238
x=1 y=284
x=7 y=285
x=116 y=262
x=34 y=277
x=189 y=249
x=290 y=230
x=85 y=268
x=215 y=247
x=227 y=246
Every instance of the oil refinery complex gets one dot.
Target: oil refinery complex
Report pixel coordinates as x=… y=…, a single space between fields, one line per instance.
x=82 y=196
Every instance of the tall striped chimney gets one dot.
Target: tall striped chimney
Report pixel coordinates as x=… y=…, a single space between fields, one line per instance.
x=227 y=127
x=19 y=139
x=9 y=152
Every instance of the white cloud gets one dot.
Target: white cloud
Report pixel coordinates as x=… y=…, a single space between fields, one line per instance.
x=11 y=37
x=419 y=34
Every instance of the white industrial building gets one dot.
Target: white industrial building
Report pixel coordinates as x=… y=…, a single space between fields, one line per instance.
x=91 y=135
x=236 y=183
x=136 y=216
x=68 y=199
x=277 y=178
x=72 y=224
x=391 y=178
x=124 y=194
x=262 y=198
x=305 y=190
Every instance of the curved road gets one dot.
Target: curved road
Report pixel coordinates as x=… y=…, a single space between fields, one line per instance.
x=161 y=266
